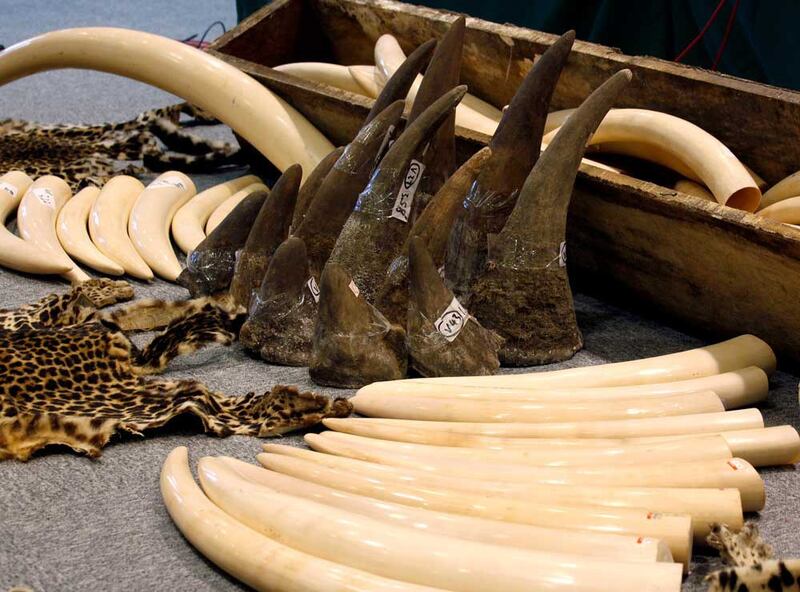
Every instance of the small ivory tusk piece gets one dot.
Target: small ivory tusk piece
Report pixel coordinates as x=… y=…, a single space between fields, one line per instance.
x=249 y=556
x=726 y=356
x=787 y=210
x=709 y=159
x=270 y=124
x=150 y=219
x=502 y=411
x=675 y=531
x=73 y=232
x=418 y=557
x=16 y=253
x=323 y=73
x=108 y=225
x=188 y=224
x=496 y=532
x=779 y=445
x=736 y=389
x=506 y=434
x=365 y=78
x=227 y=206
x=783 y=189
x=36 y=220
x=693 y=188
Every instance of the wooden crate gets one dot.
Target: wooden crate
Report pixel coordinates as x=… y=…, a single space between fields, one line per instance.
x=711 y=268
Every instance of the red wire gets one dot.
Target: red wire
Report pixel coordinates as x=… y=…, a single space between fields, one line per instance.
x=728 y=29
x=702 y=32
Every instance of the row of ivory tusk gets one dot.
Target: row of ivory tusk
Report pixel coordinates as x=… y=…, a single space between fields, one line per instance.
x=121 y=228
x=481 y=488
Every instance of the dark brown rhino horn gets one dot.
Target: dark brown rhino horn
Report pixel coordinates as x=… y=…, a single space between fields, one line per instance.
x=270 y=229
x=524 y=293
x=433 y=227
x=371 y=237
x=515 y=149
x=354 y=344
x=283 y=311
x=443 y=339
x=397 y=87
x=312 y=185
x=209 y=268
x=339 y=191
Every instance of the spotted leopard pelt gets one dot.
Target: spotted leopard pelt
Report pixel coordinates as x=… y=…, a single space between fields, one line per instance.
x=69 y=374
x=84 y=154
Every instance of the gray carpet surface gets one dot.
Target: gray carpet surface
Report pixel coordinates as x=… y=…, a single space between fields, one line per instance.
x=68 y=523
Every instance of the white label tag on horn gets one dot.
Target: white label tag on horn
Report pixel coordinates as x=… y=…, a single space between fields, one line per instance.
x=168 y=181
x=312 y=286
x=405 y=197
x=8 y=188
x=441 y=272
x=353 y=288
x=562 y=254
x=452 y=320
x=44 y=195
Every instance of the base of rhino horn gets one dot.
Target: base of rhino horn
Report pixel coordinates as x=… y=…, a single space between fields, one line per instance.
x=209 y=267
x=443 y=339
x=354 y=344
x=532 y=310
x=283 y=312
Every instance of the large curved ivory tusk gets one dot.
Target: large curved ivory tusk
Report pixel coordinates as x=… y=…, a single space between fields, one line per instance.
x=108 y=224
x=422 y=558
x=708 y=158
x=150 y=219
x=270 y=124
x=331 y=74
x=188 y=224
x=472 y=113
x=476 y=410
x=496 y=532
x=365 y=78
x=553 y=454
x=675 y=531
x=15 y=253
x=726 y=356
x=786 y=210
x=785 y=188
x=249 y=556
x=36 y=220
x=73 y=232
x=444 y=433
x=227 y=206
x=736 y=389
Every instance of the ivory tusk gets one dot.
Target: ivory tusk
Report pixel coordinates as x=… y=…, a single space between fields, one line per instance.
x=709 y=159
x=786 y=210
x=496 y=532
x=675 y=531
x=472 y=410
x=108 y=225
x=151 y=217
x=473 y=113
x=73 y=232
x=251 y=557
x=506 y=434
x=275 y=128
x=779 y=445
x=227 y=206
x=15 y=253
x=365 y=78
x=736 y=389
x=422 y=558
x=36 y=219
x=553 y=454
x=726 y=356
x=693 y=188
x=785 y=188
x=323 y=73
x=188 y=224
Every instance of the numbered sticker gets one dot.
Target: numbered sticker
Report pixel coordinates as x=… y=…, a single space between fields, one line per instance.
x=168 y=182
x=562 y=254
x=452 y=320
x=45 y=196
x=353 y=288
x=312 y=286
x=405 y=197
x=8 y=188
